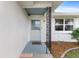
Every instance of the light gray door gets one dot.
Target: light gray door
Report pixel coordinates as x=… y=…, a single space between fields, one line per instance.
x=35 y=31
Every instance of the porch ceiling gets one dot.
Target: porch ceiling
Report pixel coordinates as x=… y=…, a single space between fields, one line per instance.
x=39 y=4
x=36 y=11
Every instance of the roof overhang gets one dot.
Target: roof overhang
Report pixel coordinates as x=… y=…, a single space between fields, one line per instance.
x=39 y=4
x=55 y=4
x=66 y=15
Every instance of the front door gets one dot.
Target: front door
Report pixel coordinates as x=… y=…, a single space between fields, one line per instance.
x=35 y=31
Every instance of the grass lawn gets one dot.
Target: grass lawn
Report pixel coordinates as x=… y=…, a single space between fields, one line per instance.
x=72 y=54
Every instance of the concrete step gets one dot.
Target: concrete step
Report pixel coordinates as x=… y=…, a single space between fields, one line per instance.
x=36 y=56
x=42 y=56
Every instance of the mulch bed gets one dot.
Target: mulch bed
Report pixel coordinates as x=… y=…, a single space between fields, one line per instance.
x=58 y=48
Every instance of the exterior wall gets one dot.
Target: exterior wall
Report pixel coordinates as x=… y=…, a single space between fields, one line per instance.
x=14 y=29
x=43 y=29
x=63 y=36
x=43 y=25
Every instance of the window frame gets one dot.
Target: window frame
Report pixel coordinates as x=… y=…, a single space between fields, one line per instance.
x=64 y=25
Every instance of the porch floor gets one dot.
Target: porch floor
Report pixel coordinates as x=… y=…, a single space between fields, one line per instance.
x=58 y=48
x=35 y=51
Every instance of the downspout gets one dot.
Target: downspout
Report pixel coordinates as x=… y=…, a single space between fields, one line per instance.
x=48 y=28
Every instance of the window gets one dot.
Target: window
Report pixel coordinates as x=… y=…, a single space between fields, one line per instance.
x=35 y=24
x=63 y=24
x=59 y=24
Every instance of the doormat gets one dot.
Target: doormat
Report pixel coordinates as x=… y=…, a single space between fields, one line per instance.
x=35 y=42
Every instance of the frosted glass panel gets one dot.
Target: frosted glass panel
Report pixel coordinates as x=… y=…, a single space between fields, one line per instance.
x=35 y=25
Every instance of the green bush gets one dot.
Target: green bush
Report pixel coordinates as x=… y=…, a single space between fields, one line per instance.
x=75 y=34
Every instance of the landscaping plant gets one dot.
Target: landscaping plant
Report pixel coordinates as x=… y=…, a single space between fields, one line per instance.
x=75 y=34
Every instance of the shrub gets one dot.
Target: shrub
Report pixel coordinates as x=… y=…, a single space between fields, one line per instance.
x=75 y=34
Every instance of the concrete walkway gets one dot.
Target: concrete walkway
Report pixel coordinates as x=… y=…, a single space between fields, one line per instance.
x=36 y=51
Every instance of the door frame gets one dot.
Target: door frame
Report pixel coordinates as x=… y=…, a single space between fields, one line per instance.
x=31 y=27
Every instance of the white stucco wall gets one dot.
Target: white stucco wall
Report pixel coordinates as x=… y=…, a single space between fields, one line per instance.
x=43 y=26
x=14 y=29
x=63 y=36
